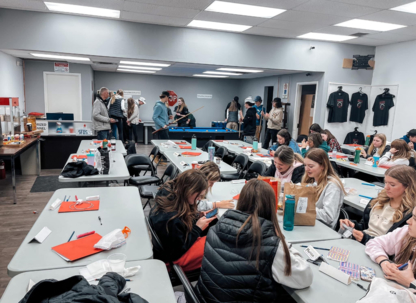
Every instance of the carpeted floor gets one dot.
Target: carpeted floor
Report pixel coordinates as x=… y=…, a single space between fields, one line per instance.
x=48 y=183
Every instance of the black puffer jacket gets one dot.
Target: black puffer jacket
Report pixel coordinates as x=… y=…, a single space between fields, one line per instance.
x=77 y=289
x=227 y=273
x=78 y=169
x=297 y=174
x=250 y=122
x=363 y=224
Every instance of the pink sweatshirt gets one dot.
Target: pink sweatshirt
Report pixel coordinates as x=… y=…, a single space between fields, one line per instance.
x=387 y=245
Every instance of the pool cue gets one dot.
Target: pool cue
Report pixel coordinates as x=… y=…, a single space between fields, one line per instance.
x=176 y=120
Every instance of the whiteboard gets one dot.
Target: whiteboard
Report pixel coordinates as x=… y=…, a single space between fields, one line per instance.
x=63 y=93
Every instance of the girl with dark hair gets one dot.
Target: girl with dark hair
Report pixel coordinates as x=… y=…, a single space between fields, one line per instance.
x=181 y=110
x=287 y=166
x=274 y=121
x=315 y=128
x=249 y=121
x=246 y=257
x=314 y=141
x=410 y=138
x=284 y=138
x=177 y=222
x=331 y=141
x=399 y=153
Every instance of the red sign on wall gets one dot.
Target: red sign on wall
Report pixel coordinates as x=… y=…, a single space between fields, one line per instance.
x=6 y=101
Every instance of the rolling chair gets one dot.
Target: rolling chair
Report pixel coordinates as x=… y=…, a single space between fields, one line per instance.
x=240 y=162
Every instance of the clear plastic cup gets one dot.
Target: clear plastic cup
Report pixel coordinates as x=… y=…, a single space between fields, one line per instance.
x=117 y=262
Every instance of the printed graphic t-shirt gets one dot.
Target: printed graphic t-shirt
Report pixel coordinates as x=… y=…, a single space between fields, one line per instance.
x=338 y=103
x=381 y=108
x=359 y=104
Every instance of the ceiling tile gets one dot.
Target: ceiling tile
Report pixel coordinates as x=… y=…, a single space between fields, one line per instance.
x=282 y=4
x=300 y=16
x=392 y=17
x=275 y=32
x=24 y=4
x=111 y=4
x=385 y=4
x=409 y=31
x=153 y=19
x=337 y=30
x=144 y=8
x=229 y=18
x=391 y=37
x=336 y=8
x=301 y=26
x=367 y=41
x=192 y=4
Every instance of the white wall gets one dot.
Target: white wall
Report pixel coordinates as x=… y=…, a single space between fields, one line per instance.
x=396 y=64
x=11 y=78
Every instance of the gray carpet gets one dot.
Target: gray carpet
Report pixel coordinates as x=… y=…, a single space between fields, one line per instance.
x=49 y=183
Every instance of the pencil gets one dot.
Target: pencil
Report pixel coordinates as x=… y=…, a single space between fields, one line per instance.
x=71 y=236
x=366 y=197
x=128 y=280
x=317 y=247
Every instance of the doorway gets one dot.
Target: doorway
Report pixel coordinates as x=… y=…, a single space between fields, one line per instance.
x=267 y=103
x=306 y=94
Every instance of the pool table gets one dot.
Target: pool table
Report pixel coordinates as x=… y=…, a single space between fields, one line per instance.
x=203 y=134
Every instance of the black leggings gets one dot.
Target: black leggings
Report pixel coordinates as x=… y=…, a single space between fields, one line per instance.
x=134 y=132
x=270 y=135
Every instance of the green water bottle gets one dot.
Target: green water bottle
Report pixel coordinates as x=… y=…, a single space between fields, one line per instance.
x=105 y=143
x=289 y=215
x=193 y=142
x=357 y=155
x=367 y=141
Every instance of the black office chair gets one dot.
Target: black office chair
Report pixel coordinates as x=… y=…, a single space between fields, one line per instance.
x=301 y=138
x=149 y=191
x=152 y=155
x=240 y=163
x=143 y=161
x=221 y=152
x=347 y=151
x=205 y=147
x=256 y=169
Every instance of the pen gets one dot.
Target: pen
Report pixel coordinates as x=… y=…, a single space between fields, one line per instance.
x=71 y=236
x=99 y=218
x=68 y=198
x=368 y=184
x=76 y=198
x=317 y=247
x=128 y=280
x=366 y=197
x=65 y=198
x=402 y=266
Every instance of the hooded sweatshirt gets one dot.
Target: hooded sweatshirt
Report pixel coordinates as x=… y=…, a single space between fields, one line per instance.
x=287 y=176
x=324 y=146
x=160 y=115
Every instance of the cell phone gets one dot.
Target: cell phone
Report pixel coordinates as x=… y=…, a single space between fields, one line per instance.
x=211 y=213
x=367 y=273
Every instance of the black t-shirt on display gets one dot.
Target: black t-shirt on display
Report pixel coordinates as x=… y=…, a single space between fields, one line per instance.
x=338 y=106
x=359 y=104
x=381 y=108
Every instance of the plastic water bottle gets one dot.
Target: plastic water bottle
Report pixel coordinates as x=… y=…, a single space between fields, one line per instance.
x=105 y=143
x=334 y=153
x=357 y=155
x=255 y=144
x=367 y=141
x=211 y=153
x=289 y=215
x=194 y=142
x=90 y=159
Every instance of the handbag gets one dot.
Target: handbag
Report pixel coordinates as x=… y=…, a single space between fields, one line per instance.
x=305 y=211
x=382 y=291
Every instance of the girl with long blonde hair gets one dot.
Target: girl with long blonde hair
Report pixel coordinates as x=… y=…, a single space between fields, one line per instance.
x=399 y=153
x=377 y=148
x=181 y=110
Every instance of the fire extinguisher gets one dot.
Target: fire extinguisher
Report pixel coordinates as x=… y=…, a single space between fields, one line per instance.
x=2 y=170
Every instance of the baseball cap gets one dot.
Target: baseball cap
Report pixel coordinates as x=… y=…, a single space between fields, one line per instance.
x=258 y=99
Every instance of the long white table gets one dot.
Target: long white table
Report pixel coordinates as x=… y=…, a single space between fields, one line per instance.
x=365 y=190
x=351 y=148
x=119 y=207
x=174 y=148
x=362 y=167
x=319 y=232
x=118 y=172
x=152 y=282
x=87 y=144
x=325 y=288
x=224 y=167
x=234 y=146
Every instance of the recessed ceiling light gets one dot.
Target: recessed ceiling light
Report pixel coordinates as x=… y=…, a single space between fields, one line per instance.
x=327 y=37
x=209 y=76
x=370 y=25
x=82 y=10
x=244 y=9
x=135 y=71
x=139 y=67
x=242 y=70
x=59 y=57
x=223 y=73
x=407 y=8
x=145 y=63
x=219 y=26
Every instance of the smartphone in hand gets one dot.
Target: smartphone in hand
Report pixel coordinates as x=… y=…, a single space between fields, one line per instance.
x=212 y=213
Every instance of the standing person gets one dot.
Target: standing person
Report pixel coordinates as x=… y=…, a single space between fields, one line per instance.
x=115 y=111
x=399 y=154
x=249 y=121
x=100 y=118
x=274 y=121
x=246 y=257
x=410 y=138
x=233 y=116
x=181 y=110
x=315 y=128
x=160 y=115
x=284 y=138
x=314 y=141
x=238 y=107
x=287 y=166
x=390 y=209
x=331 y=141
x=378 y=148
x=260 y=110
x=329 y=187
x=133 y=119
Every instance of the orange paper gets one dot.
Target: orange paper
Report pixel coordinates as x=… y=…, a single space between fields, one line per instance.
x=185 y=147
x=79 y=157
x=191 y=154
x=236 y=197
x=65 y=207
x=77 y=249
x=341 y=157
x=97 y=141
x=266 y=156
x=354 y=145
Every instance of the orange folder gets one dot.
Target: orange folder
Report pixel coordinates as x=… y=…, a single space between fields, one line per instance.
x=246 y=147
x=191 y=154
x=185 y=147
x=79 y=157
x=65 y=207
x=341 y=157
x=354 y=145
x=77 y=249
x=181 y=143
x=236 y=197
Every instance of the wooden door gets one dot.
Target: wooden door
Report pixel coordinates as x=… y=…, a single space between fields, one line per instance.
x=306 y=114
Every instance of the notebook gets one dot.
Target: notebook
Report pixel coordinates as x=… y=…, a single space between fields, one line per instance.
x=67 y=207
x=78 y=249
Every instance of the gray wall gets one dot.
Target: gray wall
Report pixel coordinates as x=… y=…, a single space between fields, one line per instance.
x=35 y=85
x=11 y=78
x=222 y=90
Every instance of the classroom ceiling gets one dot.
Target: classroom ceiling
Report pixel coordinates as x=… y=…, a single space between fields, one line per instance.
x=300 y=17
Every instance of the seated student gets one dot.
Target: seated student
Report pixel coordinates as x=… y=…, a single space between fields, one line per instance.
x=287 y=166
x=399 y=154
x=378 y=147
x=249 y=121
x=212 y=174
x=314 y=140
x=246 y=257
x=410 y=138
x=315 y=128
x=284 y=138
x=396 y=248
x=318 y=169
x=177 y=222
x=331 y=141
x=392 y=207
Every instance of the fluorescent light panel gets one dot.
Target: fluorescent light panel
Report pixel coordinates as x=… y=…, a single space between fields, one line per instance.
x=222 y=73
x=135 y=71
x=145 y=63
x=243 y=9
x=139 y=67
x=406 y=8
x=218 y=26
x=242 y=70
x=326 y=37
x=82 y=10
x=209 y=76
x=370 y=25
x=59 y=57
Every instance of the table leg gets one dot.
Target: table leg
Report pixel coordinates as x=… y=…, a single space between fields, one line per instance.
x=146 y=139
x=13 y=180
x=38 y=158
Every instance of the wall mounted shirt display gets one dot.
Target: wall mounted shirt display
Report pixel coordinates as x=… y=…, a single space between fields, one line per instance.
x=359 y=104
x=338 y=106
x=381 y=108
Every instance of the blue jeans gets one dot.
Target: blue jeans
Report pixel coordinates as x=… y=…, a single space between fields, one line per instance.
x=103 y=134
x=117 y=129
